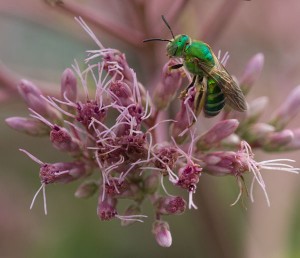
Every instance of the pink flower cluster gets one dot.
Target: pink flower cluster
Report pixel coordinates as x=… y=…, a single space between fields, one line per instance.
x=112 y=128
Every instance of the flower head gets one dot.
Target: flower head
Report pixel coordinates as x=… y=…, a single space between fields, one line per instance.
x=240 y=162
x=117 y=131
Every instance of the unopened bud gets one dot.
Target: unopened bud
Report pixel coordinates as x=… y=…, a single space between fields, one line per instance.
x=218 y=132
x=32 y=96
x=69 y=85
x=275 y=141
x=161 y=231
x=256 y=108
x=166 y=89
x=26 y=88
x=29 y=126
x=86 y=189
x=252 y=72
x=259 y=132
x=295 y=143
x=221 y=163
x=231 y=142
x=288 y=109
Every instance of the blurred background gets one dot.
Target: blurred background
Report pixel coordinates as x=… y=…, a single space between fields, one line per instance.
x=38 y=41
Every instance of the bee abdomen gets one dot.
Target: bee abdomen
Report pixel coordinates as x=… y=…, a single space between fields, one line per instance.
x=215 y=99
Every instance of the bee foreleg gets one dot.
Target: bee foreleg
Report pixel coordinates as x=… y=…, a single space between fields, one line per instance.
x=177 y=66
x=184 y=92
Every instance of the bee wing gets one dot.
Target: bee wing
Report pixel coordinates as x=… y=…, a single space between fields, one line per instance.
x=233 y=94
x=231 y=90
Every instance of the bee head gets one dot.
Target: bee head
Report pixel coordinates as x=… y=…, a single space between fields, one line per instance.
x=175 y=48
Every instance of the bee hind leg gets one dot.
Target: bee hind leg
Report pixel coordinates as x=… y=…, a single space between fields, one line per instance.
x=200 y=97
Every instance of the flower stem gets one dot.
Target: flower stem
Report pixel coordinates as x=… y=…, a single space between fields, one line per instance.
x=129 y=35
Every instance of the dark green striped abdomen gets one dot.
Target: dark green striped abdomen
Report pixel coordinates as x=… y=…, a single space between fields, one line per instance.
x=215 y=99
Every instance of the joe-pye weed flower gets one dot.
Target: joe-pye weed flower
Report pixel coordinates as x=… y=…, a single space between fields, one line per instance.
x=113 y=130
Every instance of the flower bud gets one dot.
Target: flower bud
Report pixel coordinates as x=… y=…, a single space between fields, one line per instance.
x=106 y=209
x=88 y=110
x=259 y=132
x=256 y=108
x=62 y=172
x=231 y=141
x=121 y=93
x=221 y=163
x=161 y=231
x=115 y=188
x=171 y=205
x=29 y=126
x=188 y=176
x=32 y=96
x=69 y=85
x=275 y=141
x=63 y=141
x=166 y=89
x=167 y=156
x=119 y=58
x=252 y=72
x=26 y=88
x=288 y=109
x=217 y=133
x=86 y=189
x=295 y=143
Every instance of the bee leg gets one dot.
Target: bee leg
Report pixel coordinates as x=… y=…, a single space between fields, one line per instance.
x=200 y=97
x=177 y=66
x=184 y=92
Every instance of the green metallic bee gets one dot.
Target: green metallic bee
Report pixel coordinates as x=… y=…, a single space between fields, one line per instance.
x=214 y=85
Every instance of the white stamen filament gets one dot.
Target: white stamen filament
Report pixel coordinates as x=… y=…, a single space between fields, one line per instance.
x=40 y=117
x=35 y=159
x=89 y=31
x=163 y=186
x=83 y=81
x=122 y=177
x=44 y=198
x=240 y=192
x=191 y=202
x=131 y=217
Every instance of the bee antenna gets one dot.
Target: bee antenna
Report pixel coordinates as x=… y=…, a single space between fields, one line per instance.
x=156 y=39
x=167 y=24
